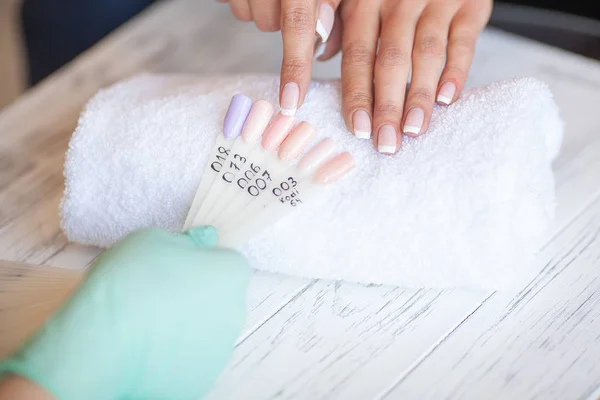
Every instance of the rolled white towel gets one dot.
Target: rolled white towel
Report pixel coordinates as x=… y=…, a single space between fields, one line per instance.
x=465 y=205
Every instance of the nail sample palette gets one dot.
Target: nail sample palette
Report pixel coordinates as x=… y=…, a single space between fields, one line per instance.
x=253 y=176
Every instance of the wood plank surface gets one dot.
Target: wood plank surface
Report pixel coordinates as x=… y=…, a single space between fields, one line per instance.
x=342 y=341
x=541 y=343
x=28 y=295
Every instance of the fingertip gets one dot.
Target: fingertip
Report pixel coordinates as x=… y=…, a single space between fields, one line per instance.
x=325 y=51
x=387 y=139
x=268 y=26
x=325 y=21
x=203 y=236
x=361 y=124
x=289 y=99
x=414 y=122
x=295 y=81
x=240 y=10
x=446 y=93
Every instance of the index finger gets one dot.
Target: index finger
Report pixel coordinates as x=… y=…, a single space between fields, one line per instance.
x=298 y=27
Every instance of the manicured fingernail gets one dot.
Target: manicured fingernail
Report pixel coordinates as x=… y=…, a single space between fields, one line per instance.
x=277 y=131
x=236 y=115
x=296 y=141
x=319 y=49
x=386 y=141
x=362 y=124
x=257 y=121
x=334 y=169
x=325 y=21
x=446 y=93
x=289 y=98
x=316 y=156
x=414 y=121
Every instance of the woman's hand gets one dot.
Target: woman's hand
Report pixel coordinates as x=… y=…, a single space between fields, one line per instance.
x=299 y=22
x=434 y=37
x=382 y=41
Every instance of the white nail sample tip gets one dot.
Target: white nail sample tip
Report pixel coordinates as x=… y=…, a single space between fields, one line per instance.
x=322 y=32
x=443 y=99
x=386 y=149
x=288 y=111
x=362 y=134
x=411 y=129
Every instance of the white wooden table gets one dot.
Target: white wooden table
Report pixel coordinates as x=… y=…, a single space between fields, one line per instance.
x=323 y=340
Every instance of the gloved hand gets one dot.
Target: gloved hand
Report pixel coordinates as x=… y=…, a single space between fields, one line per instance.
x=155 y=318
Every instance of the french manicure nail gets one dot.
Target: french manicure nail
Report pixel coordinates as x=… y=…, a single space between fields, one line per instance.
x=316 y=156
x=414 y=121
x=446 y=93
x=362 y=124
x=289 y=98
x=277 y=131
x=236 y=115
x=296 y=141
x=386 y=141
x=325 y=21
x=333 y=170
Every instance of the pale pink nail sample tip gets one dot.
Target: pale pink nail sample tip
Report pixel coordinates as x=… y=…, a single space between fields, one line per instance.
x=335 y=169
x=316 y=155
x=257 y=121
x=296 y=141
x=277 y=130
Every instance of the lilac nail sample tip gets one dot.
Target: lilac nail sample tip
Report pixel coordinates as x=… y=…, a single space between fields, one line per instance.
x=236 y=115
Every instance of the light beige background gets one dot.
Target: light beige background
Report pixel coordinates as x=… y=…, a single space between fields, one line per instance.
x=12 y=80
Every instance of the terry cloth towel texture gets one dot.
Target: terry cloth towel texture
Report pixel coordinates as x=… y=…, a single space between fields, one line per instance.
x=465 y=205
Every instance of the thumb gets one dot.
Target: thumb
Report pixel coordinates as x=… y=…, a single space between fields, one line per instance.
x=325 y=51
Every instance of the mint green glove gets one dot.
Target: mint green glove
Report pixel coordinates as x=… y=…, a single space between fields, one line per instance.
x=156 y=318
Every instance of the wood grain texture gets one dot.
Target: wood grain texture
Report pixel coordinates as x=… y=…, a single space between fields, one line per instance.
x=316 y=339
x=28 y=295
x=340 y=340
x=541 y=343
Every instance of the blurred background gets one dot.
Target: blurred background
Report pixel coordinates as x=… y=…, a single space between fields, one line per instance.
x=37 y=37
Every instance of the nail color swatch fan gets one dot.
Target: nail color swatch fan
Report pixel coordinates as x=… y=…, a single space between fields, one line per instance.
x=250 y=180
